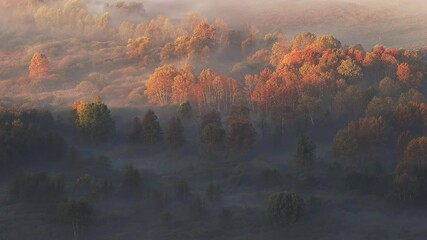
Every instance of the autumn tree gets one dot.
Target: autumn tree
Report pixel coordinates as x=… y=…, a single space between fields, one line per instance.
x=160 y=85
x=309 y=108
x=241 y=133
x=48 y=17
x=350 y=102
x=183 y=84
x=167 y=53
x=403 y=140
x=39 y=66
x=390 y=88
x=126 y=30
x=304 y=155
x=325 y=42
x=303 y=40
x=285 y=208
x=349 y=69
x=94 y=120
x=378 y=107
x=175 y=133
x=138 y=48
x=359 y=144
x=411 y=171
x=104 y=21
x=409 y=76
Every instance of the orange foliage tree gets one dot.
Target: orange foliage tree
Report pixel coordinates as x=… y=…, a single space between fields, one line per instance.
x=39 y=66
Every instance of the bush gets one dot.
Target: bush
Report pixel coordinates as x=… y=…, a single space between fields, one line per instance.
x=285 y=208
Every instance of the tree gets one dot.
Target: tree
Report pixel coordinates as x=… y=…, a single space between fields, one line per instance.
x=402 y=142
x=350 y=102
x=132 y=182
x=185 y=110
x=390 y=88
x=212 y=117
x=76 y=212
x=48 y=17
x=138 y=48
x=303 y=40
x=304 y=155
x=285 y=208
x=151 y=133
x=160 y=85
x=94 y=120
x=325 y=42
x=378 y=107
x=39 y=66
x=103 y=22
x=360 y=144
x=349 y=69
x=175 y=133
x=241 y=135
x=411 y=171
x=182 y=88
x=212 y=140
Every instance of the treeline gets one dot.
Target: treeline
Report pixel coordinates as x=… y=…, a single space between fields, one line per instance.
x=311 y=80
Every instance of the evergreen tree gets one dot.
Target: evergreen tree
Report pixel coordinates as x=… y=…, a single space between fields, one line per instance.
x=151 y=133
x=175 y=133
x=305 y=153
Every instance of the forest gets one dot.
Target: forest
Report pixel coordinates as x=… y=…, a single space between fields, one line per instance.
x=124 y=120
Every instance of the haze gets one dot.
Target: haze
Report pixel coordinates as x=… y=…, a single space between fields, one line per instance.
x=395 y=23
x=213 y=120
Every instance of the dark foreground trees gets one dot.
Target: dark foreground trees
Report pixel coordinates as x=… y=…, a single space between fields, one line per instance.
x=76 y=213
x=285 y=208
x=147 y=132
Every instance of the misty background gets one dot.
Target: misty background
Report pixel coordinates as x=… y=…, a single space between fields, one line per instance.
x=394 y=23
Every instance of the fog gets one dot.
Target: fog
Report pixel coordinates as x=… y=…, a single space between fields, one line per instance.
x=394 y=23
x=213 y=119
